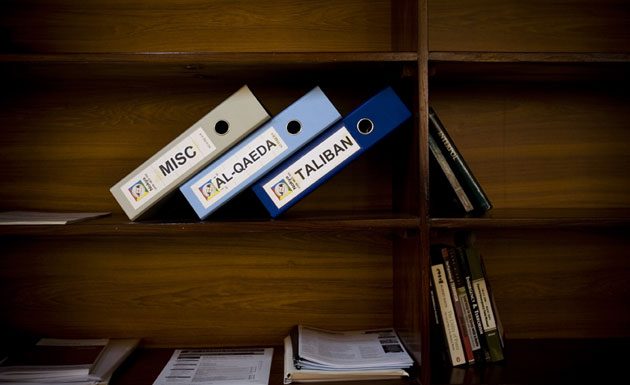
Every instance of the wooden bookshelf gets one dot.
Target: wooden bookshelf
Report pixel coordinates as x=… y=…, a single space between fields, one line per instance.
x=534 y=95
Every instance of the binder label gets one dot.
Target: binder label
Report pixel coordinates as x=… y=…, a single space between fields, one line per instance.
x=316 y=163
x=182 y=157
x=237 y=168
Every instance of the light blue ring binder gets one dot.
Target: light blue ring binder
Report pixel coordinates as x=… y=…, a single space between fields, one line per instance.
x=262 y=150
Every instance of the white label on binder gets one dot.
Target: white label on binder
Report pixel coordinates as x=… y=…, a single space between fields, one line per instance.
x=236 y=169
x=181 y=158
x=311 y=167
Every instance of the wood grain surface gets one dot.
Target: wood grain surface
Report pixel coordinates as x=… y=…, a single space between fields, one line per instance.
x=529 y=26
x=545 y=144
x=204 y=26
x=234 y=289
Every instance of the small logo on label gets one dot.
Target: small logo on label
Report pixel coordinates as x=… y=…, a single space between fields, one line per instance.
x=208 y=190
x=138 y=190
x=281 y=189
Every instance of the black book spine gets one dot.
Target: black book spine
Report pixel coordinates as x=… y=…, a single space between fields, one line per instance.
x=449 y=175
x=457 y=162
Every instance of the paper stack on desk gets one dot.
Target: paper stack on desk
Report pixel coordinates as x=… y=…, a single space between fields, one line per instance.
x=313 y=355
x=67 y=361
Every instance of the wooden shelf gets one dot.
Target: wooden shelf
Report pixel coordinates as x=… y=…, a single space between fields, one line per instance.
x=118 y=225
x=144 y=365
x=530 y=361
x=211 y=58
x=532 y=57
x=535 y=96
x=544 y=361
x=538 y=219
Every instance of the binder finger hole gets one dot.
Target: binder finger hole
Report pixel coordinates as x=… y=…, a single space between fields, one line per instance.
x=365 y=126
x=294 y=127
x=221 y=127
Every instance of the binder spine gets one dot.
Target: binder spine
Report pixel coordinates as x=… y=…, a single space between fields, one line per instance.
x=204 y=141
x=326 y=155
x=269 y=145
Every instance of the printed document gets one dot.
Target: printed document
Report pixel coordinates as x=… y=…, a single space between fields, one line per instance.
x=364 y=349
x=217 y=367
x=45 y=218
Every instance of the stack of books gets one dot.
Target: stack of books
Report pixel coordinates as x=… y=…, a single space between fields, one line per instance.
x=313 y=355
x=67 y=361
x=465 y=313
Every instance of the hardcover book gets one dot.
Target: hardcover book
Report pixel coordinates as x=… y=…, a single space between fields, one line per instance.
x=451 y=180
x=447 y=316
x=458 y=305
x=460 y=168
x=486 y=307
x=465 y=303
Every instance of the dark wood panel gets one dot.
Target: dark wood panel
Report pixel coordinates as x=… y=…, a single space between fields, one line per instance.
x=207 y=291
x=199 y=26
x=541 y=144
x=549 y=361
x=529 y=26
x=409 y=293
x=559 y=284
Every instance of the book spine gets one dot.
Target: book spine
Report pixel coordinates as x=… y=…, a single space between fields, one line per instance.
x=450 y=176
x=493 y=303
x=449 y=268
x=438 y=336
x=474 y=304
x=454 y=346
x=464 y=300
x=488 y=318
x=457 y=162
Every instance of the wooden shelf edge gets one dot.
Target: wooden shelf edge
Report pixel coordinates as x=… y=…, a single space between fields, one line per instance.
x=536 y=57
x=538 y=219
x=543 y=361
x=145 y=365
x=213 y=58
x=118 y=226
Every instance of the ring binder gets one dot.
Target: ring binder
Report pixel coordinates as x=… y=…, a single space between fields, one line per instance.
x=269 y=145
x=331 y=151
x=192 y=150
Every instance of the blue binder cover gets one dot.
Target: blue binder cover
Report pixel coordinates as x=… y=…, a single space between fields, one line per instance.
x=262 y=150
x=323 y=157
